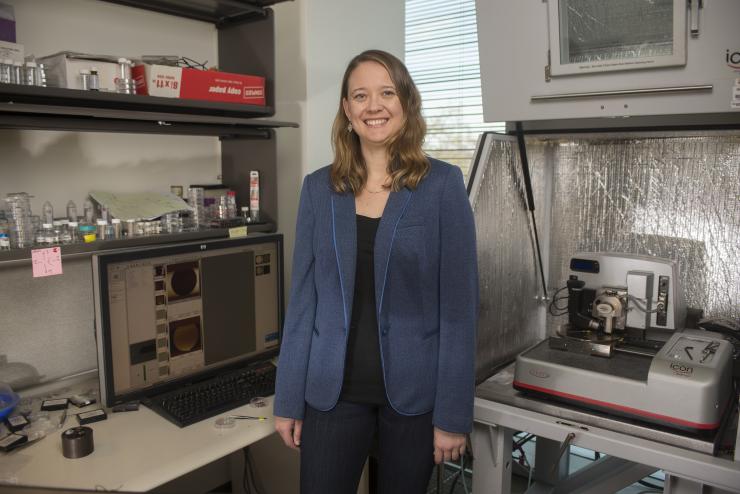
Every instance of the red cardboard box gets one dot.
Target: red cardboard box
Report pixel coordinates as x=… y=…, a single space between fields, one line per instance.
x=187 y=83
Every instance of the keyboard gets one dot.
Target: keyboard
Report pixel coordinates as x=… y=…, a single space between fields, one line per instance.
x=199 y=401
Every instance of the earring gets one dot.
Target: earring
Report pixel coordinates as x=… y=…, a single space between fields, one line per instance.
x=349 y=127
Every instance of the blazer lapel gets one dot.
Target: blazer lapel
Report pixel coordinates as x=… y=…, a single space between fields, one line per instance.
x=394 y=209
x=344 y=232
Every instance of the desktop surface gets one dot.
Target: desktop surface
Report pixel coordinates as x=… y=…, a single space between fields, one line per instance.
x=134 y=451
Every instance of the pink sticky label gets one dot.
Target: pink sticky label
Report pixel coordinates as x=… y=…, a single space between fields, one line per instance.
x=46 y=262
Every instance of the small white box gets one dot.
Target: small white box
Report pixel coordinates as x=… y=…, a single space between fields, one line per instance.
x=63 y=70
x=13 y=51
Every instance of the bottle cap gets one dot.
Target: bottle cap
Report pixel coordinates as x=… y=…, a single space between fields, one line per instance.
x=46 y=225
x=56 y=223
x=84 y=72
x=102 y=222
x=73 y=224
x=245 y=208
x=122 y=60
x=30 y=63
x=231 y=193
x=115 y=221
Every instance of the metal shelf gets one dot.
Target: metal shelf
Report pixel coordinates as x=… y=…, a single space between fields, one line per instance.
x=31 y=107
x=18 y=257
x=218 y=12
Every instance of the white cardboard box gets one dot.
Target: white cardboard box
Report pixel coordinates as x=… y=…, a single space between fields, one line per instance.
x=13 y=51
x=63 y=70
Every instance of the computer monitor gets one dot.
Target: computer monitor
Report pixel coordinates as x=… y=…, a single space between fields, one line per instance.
x=171 y=315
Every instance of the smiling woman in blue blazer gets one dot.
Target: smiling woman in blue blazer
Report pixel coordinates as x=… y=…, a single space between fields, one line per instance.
x=379 y=336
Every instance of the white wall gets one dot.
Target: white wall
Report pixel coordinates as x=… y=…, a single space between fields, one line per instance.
x=315 y=41
x=59 y=166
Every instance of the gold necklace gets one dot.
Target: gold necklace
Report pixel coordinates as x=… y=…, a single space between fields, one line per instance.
x=382 y=189
x=375 y=191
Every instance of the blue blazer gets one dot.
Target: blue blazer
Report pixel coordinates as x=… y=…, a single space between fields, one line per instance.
x=426 y=293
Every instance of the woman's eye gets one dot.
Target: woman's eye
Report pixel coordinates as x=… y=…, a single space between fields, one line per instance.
x=359 y=97
x=389 y=93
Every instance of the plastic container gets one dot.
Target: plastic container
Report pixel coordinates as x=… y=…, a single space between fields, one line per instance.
x=47 y=213
x=71 y=211
x=74 y=232
x=88 y=233
x=8 y=400
x=88 y=209
x=102 y=229
x=117 y=228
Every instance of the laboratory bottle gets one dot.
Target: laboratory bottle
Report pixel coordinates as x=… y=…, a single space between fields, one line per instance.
x=71 y=211
x=117 y=227
x=74 y=232
x=56 y=232
x=45 y=235
x=231 y=204
x=47 y=213
x=88 y=209
x=102 y=229
x=4 y=235
x=65 y=237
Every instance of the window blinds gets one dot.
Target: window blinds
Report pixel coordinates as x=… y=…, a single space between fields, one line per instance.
x=442 y=57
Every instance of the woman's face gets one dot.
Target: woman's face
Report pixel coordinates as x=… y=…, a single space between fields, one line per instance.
x=372 y=104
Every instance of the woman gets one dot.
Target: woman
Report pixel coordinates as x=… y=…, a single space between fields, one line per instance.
x=379 y=335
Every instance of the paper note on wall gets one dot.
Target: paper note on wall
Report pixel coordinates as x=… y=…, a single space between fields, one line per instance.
x=46 y=262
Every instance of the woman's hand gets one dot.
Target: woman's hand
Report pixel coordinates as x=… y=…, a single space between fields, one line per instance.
x=448 y=446
x=290 y=430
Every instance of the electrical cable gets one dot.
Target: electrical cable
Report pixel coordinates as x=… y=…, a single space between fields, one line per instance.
x=638 y=303
x=462 y=474
x=553 y=303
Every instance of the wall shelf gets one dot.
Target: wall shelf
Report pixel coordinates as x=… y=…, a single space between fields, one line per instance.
x=219 y=12
x=18 y=257
x=30 y=107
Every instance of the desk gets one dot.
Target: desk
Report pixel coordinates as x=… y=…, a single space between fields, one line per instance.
x=500 y=411
x=134 y=451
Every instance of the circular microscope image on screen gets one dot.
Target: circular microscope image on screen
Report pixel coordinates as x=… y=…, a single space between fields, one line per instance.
x=183 y=281
x=185 y=336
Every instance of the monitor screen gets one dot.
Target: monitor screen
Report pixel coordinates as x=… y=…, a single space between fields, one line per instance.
x=171 y=315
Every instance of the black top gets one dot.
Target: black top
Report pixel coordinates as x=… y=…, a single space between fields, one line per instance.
x=363 y=372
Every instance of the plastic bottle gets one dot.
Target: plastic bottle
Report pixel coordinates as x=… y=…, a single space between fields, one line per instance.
x=29 y=73
x=117 y=228
x=4 y=235
x=47 y=213
x=94 y=79
x=231 y=204
x=88 y=209
x=56 y=233
x=102 y=229
x=74 y=232
x=71 y=211
x=45 y=235
x=65 y=237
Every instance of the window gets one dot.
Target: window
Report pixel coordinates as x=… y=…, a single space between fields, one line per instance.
x=442 y=57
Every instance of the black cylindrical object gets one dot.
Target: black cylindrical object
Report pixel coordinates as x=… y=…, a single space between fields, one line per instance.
x=77 y=442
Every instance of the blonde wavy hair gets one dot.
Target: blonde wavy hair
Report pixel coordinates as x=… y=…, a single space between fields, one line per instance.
x=408 y=163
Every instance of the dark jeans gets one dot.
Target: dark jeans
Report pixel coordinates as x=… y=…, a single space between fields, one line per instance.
x=336 y=443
